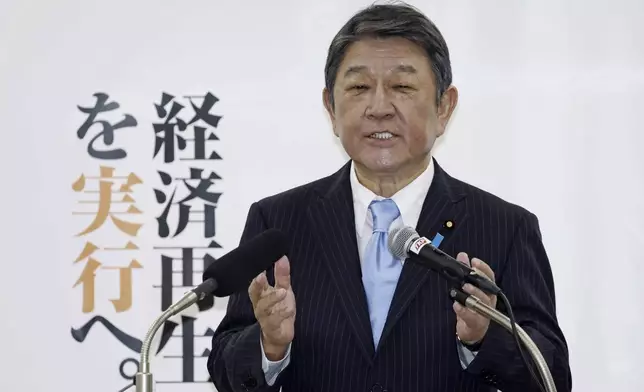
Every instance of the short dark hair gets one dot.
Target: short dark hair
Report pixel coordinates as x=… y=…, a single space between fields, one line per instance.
x=391 y=20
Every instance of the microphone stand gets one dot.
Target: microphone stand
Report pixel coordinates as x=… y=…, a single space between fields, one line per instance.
x=143 y=379
x=483 y=309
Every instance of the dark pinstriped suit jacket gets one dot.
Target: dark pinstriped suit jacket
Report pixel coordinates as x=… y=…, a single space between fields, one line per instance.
x=333 y=348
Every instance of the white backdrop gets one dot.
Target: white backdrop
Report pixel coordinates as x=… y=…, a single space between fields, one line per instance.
x=549 y=117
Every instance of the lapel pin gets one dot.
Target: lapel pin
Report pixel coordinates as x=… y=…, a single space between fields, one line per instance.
x=448 y=224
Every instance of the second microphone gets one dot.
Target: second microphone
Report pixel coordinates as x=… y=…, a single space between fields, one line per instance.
x=406 y=243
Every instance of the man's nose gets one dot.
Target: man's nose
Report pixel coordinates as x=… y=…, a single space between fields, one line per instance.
x=380 y=106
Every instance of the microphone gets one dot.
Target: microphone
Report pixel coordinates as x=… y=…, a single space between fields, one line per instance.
x=235 y=270
x=229 y=274
x=406 y=243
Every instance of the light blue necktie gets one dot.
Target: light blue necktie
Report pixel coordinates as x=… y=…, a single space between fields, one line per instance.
x=381 y=269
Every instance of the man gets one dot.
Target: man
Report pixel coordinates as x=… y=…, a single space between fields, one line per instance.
x=340 y=314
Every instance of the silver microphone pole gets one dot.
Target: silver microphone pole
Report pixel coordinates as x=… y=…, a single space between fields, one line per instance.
x=483 y=309
x=143 y=379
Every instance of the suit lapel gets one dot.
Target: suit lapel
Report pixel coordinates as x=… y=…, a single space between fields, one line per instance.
x=439 y=207
x=333 y=223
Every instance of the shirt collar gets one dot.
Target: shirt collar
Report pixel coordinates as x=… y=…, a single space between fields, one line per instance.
x=409 y=199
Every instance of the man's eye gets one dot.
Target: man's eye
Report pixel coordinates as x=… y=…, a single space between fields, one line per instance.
x=359 y=87
x=402 y=87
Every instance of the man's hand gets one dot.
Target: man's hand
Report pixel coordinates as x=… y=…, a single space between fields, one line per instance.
x=275 y=309
x=471 y=327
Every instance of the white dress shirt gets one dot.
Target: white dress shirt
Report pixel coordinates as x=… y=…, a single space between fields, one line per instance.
x=410 y=201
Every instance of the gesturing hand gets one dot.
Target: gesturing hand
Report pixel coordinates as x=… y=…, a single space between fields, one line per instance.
x=471 y=327
x=274 y=309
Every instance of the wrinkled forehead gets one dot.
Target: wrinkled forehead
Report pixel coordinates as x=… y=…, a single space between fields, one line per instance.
x=384 y=57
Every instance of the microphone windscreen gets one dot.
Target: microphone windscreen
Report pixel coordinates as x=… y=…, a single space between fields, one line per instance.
x=399 y=241
x=235 y=270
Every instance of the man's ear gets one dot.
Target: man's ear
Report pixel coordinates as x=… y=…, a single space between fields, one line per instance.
x=326 y=99
x=446 y=107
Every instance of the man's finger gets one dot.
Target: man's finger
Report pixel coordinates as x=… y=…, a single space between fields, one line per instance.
x=283 y=273
x=471 y=290
x=257 y=286
x=484 y=268
x=463 y=258
x=470 y=318
x=268 y=301
x=285 y=309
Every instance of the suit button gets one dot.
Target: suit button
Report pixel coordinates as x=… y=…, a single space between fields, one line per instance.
x=377 y=388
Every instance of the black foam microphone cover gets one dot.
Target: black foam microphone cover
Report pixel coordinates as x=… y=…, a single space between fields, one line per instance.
x=234 y=271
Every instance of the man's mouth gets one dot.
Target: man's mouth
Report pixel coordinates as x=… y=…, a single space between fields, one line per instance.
x=381 y=135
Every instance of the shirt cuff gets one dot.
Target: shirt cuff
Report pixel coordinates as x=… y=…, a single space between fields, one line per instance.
x=464 y=354
x=272 y=369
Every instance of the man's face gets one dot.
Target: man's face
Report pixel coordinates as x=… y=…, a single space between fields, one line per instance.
x=385 y=111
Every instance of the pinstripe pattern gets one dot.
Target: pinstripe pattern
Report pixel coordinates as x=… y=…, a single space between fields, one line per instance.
x=333 y=347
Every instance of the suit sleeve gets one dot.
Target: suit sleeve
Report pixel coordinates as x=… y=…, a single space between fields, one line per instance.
x=235 y=361
x=526 y=279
